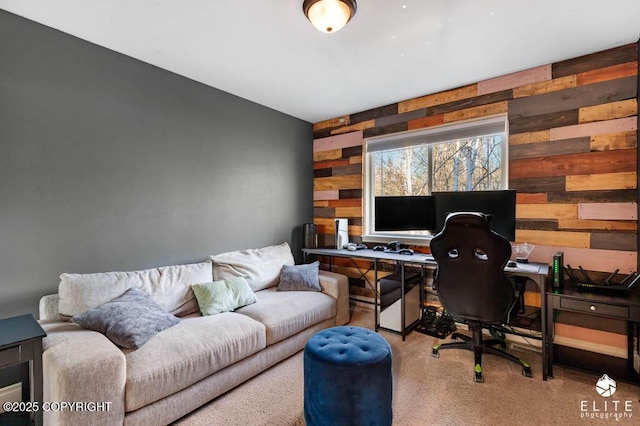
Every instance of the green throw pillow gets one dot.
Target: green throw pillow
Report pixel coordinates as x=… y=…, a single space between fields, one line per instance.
x=223 y=296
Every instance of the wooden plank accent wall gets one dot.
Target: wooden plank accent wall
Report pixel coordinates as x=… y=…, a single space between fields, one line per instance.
x=337 y=183
x=573 y=133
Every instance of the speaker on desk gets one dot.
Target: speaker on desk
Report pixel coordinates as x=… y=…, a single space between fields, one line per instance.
x=342 y=232
x=310 y=232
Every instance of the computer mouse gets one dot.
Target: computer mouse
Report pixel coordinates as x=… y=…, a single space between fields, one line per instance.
x=405 y=251
x=378 y=248
x=512 y=264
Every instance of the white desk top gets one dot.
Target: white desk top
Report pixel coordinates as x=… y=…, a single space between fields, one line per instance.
x=373 y=255
x=417 y=258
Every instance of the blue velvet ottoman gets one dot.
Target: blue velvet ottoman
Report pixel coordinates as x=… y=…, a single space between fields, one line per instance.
x=347 y=378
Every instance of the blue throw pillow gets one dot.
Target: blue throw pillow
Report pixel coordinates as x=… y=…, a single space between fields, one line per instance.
x=300 y=277
x=129 y=320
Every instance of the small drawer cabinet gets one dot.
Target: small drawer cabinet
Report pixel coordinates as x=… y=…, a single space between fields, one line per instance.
x=21 y=344
x=596 y=308
x=622 y=305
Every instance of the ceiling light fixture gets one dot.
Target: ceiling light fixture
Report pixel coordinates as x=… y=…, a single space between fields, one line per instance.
x=329 y=16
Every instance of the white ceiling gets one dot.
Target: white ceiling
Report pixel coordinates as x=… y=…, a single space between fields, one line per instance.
x=266 y=51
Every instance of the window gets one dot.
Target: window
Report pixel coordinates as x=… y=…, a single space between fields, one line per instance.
x=469 y=156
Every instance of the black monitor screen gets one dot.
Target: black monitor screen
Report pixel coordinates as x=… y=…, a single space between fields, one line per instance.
x=501 y=205
x=404 y=213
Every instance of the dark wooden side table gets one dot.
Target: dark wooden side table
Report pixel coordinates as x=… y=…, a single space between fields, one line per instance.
x=622 y=305
x=21 y=344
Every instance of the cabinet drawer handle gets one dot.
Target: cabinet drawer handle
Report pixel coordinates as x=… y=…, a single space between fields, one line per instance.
x=592 y=308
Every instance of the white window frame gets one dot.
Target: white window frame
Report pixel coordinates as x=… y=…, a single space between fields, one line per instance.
x=430 y=136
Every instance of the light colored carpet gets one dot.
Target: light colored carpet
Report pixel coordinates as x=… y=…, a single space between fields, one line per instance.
x=430 y=391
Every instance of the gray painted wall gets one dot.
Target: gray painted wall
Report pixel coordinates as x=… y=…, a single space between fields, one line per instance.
x=108 y=163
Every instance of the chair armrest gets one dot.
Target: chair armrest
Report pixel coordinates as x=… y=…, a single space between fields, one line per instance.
x=48 y=307
x=337 y=286
x=81 y=365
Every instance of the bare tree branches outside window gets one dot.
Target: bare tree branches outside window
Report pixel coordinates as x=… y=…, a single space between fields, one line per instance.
x=472 y=164
x=402 y=171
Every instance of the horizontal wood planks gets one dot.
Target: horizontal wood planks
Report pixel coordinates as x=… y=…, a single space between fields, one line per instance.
x=610 y=211
x=573 y=134
x=517 y=79
x=337 y=183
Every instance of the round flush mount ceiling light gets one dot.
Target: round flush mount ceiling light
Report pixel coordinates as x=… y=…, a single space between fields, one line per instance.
x=329 y=16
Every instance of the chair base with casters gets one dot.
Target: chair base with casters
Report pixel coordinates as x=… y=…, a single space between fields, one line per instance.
x=478 y=346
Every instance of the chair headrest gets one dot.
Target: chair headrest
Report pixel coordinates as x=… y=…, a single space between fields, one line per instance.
x=470 y=229
x=468 y=218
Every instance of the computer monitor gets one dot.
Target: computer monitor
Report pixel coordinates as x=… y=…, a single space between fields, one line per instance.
x=501 y=205
x=404 y=213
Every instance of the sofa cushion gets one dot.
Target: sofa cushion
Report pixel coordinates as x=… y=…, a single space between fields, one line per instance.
x=260 y=267
x=188 y=352
x=285 y=313
x=169 y=286
x=223 y=296
x=300 y=277
x=129 y=320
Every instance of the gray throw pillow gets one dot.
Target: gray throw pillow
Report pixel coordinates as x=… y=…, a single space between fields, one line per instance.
x=129 y=320
x=300 y=277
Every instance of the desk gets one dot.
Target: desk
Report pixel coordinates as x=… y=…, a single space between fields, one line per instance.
x=624 y=306
x=536 y=272
x=376 y=256
x=21 y=344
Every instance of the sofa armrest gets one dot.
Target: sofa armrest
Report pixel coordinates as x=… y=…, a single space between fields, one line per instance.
x=48 y=307
x=337 y=286
x=81 y=365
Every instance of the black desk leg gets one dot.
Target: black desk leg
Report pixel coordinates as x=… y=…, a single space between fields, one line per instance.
x=402 y=302
x=544 y=328
x=37 y=380
x=548 y=338
x=25 y=376
x=631 y=332
x=375 y=296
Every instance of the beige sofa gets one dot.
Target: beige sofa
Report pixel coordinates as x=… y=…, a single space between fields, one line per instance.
x=191 y=363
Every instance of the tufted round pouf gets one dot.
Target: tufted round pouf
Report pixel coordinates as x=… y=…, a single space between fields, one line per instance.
x=347 y=378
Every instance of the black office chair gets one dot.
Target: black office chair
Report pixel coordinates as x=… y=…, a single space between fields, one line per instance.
x=471 y=284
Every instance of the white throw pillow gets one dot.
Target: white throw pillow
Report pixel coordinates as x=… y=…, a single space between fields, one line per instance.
x=260 y=267
x=168 y=286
